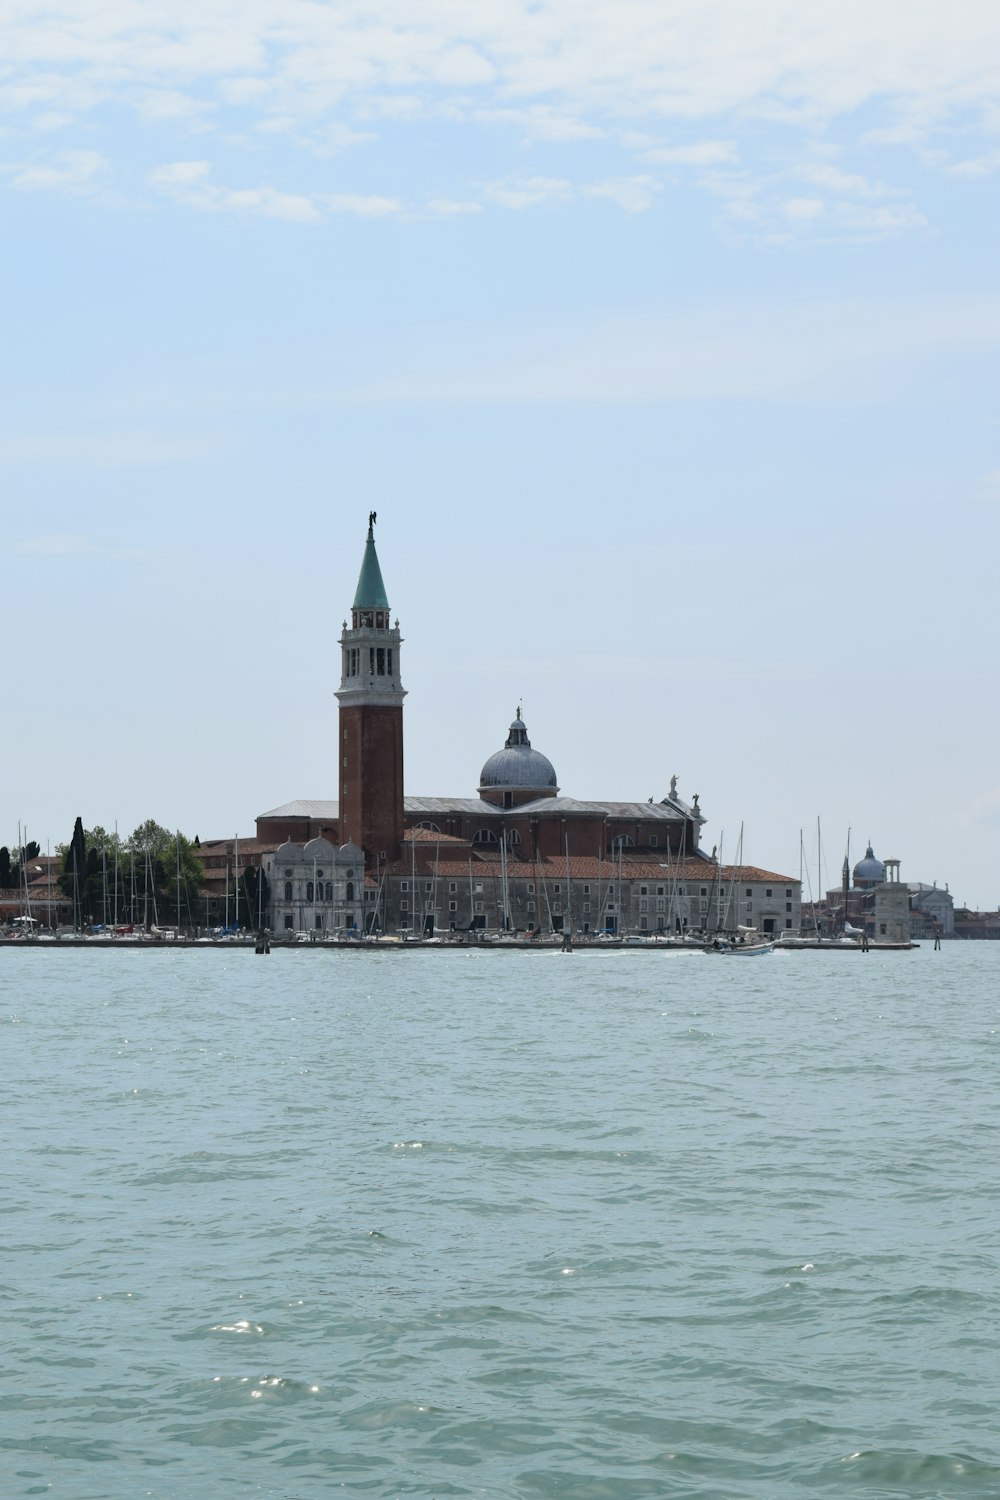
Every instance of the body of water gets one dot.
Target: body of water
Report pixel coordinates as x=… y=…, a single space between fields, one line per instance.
x=513 y=1226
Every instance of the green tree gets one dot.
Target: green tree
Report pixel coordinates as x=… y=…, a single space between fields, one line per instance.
x=152 y=877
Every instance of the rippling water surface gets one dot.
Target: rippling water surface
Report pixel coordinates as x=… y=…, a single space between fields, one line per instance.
x=502 y=1225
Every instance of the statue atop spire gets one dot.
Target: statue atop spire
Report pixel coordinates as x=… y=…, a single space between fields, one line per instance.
x=372 y=518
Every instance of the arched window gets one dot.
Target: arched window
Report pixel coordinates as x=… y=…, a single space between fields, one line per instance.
x=349 y=893
x=431 y=827
x=288 y=890
x=513 y=838
x=621 y=841
x=309 y=890
x=329 y=890
x=484 y=836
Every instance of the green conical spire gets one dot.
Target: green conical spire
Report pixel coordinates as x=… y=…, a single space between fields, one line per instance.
x=370 y=592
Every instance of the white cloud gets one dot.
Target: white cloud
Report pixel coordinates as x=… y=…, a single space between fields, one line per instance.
x=976 y=166
x=695 y=154
x=449 y=208
x=542 y=123
x=684 y=84
x=848 y=184
x=808 y=351
x=568 y=60
x=55 y=545
x=73 y=172
x=188 y=182
x=110 y=450
x=529 y=192
x=634 y=194
x=366 y=206
x=804 y=208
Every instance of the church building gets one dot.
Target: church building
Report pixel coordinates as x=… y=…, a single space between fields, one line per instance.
x=518 y=855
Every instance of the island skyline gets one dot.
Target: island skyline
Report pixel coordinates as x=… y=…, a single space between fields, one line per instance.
x=663 y=349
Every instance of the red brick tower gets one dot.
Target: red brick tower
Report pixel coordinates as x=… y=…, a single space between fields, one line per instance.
x=371 y=720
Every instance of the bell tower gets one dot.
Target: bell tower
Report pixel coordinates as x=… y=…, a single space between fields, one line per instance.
x=371 y=719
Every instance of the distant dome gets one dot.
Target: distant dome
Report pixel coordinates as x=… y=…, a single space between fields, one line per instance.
x=869 y=871
x=517 y=766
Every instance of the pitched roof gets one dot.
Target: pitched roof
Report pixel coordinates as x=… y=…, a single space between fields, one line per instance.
x=304 y=807
x=370 y=593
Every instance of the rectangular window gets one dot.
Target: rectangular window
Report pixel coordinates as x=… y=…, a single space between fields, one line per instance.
x=404 y=885
x=704 y=890
x=531 y=906
x=478 y=888
x=661 y=904
x=380 y=661
x=404 y=906
x=479 y=906
x=428 y=906
x=452 y=887
x=767 y=893
x=642 y=924
x=531 y=887
x=653 y=841
x=388 y=657
x=429 y=886
x=788 y=921
x=788 y=906
x=749 y=890
x=288 y=922
x=556 y=907
x=453 y=906
x=586 y=906
x=644 y=906
x=788 y=893
x=371 y=661
x=556 y=889
x=611 y=906
x=586 y=890
x=659 y=890
x=644 y=890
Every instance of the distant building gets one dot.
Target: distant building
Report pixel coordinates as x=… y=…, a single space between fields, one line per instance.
x=932 y=911
x=519 y=855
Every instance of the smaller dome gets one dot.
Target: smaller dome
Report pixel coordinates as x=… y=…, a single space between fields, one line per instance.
x=869 y=871
x=517 y=766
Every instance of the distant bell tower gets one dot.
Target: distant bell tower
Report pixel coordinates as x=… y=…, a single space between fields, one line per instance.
x=371 y=720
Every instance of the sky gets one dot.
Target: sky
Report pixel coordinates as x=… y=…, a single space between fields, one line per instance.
x=662 y=336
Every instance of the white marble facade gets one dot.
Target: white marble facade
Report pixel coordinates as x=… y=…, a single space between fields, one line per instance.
x=316 y=888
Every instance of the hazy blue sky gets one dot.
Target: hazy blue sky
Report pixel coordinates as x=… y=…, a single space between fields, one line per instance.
x=663 y=337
